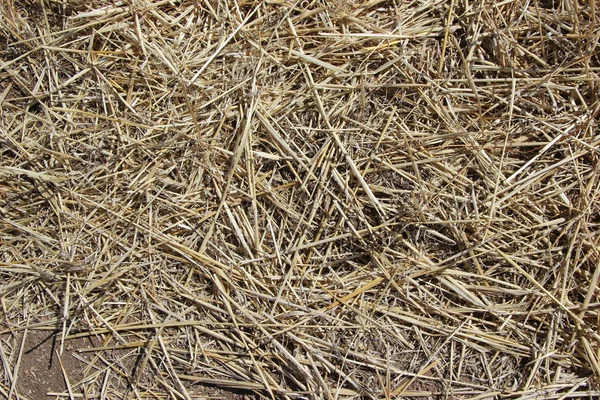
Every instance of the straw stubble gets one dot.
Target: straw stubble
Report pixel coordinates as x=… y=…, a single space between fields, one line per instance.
x=302 y=199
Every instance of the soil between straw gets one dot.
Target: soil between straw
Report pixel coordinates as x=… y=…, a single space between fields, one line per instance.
x=41 y=372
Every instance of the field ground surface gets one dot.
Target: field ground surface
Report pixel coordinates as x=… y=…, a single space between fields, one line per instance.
x=285 y=199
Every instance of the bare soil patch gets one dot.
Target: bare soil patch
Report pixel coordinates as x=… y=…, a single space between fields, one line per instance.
x=43 y=371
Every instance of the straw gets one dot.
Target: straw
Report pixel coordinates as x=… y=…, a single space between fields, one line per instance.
x=302 y=199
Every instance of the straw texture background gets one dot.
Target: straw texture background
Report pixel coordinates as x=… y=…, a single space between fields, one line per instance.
x=302 y=199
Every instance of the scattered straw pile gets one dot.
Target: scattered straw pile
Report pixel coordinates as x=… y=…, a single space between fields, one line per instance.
x=329 y=200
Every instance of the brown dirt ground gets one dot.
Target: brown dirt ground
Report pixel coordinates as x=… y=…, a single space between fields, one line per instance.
x=40 y=370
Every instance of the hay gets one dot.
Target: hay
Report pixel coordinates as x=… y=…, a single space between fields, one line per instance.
x=377 y=199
